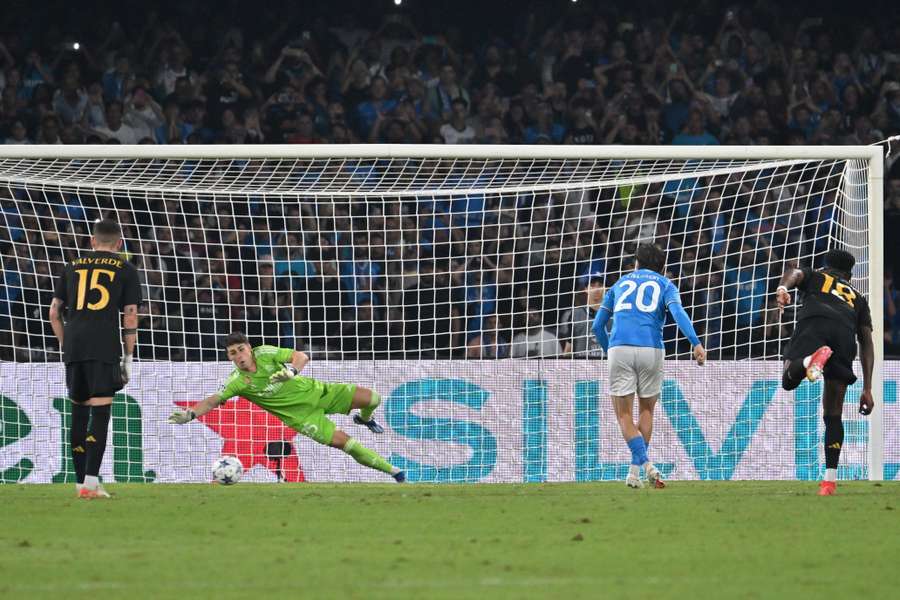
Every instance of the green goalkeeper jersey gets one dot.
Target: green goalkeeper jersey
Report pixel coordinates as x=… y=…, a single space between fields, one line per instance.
x=291 y=399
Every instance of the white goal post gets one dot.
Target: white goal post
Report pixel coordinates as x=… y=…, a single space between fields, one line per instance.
x=405 y=267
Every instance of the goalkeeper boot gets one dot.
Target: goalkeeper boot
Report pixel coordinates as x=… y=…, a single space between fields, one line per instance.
x=371 y=424
x=654 y=477
x=399 y=476
x=633 y=481
x=827 y=488
x=817 y=363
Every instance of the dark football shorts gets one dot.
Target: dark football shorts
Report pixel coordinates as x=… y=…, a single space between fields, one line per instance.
x=815 y=332
x=93 y=379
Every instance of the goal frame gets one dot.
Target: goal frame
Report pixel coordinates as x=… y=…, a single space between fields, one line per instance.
x=872 y=155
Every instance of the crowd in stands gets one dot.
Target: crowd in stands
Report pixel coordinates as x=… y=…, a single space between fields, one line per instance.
x=553 y=73
x=477 y=276
x=708 y=75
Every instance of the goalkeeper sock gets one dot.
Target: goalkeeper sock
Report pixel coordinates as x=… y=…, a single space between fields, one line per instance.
x=795 y=374
x=96 y=439
x=80 y=416
x=366 y=413
x=834 y=439
x=368 y=458
x=638 y=450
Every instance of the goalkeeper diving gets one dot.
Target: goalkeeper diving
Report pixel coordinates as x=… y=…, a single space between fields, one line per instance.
x=269 y=377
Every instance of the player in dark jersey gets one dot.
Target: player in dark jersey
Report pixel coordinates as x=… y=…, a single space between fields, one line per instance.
x=91 y=291
x=833 y=318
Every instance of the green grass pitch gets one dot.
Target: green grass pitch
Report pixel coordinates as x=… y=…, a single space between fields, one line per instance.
x=691 y=540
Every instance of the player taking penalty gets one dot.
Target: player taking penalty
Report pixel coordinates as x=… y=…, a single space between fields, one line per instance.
x=833 y=318
x=90 y=292
x=269 y=377
x=638 y=303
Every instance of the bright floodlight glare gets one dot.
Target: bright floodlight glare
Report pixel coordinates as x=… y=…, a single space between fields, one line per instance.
x=398 y=2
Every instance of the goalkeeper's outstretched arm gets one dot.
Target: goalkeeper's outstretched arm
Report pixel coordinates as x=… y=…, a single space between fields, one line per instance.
x=180 y=417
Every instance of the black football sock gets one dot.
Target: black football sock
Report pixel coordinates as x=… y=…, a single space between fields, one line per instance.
x=80 y=416
x=96 y=440
x=793 y=376
x=834 y=439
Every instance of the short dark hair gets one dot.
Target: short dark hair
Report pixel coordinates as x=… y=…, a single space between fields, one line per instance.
x=841 y=260
x=107 y=231
x=651 y=256
x=586 y=280
x=235 y=337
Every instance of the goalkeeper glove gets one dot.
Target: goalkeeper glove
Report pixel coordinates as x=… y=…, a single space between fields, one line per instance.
x=285 y=374
x=180 y=417
x=126 y=368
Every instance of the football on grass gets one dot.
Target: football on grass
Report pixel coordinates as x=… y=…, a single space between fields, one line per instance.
x=227 y=470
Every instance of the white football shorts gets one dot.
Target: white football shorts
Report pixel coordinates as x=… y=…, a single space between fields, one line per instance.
x=635 y=370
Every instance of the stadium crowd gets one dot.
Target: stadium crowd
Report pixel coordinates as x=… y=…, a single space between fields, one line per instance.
x=426 y=278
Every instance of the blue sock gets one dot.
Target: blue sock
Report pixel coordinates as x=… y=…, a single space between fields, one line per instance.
x=638 y=450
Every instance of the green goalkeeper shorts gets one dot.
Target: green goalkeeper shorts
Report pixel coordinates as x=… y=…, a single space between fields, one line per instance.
x=336 y=398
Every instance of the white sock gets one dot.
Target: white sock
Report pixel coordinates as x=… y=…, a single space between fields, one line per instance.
x=830 y=474
x=394 y=470
x=634 y=471
x=648 y=466
x=806 y=361
x=91 y=482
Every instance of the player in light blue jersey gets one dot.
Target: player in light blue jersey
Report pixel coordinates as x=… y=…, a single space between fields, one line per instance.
x=638 y=304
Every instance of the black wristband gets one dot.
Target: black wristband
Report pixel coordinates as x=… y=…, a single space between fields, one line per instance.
x=193 y=414
x=129 y=331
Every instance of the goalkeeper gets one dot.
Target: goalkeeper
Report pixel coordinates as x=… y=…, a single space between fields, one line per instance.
x=267 y=376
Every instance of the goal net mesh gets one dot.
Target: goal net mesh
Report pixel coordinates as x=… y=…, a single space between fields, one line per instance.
x=462 y=290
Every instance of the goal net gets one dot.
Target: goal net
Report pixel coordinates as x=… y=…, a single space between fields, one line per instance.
x=459 y=282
